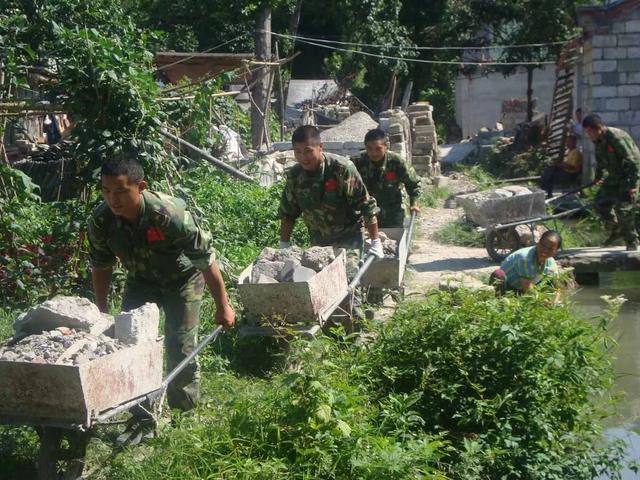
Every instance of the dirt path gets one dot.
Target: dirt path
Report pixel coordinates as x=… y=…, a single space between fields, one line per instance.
x=430 y=260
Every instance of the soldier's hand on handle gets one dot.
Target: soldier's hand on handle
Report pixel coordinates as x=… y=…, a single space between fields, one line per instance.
x=376 y=248
x=225 y=316
x=415 y=208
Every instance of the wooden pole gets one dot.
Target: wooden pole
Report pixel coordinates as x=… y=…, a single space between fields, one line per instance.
x=281 y=100
x=259 y=111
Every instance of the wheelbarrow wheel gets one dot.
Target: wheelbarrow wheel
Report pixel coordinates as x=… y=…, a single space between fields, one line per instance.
x=500 y=243
x=52 y=456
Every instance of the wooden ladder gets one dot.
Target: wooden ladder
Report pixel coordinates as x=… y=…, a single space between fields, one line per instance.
x=562 y=104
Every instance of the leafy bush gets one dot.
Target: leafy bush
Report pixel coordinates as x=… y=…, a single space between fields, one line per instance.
x=310 y=421
x=516 y=387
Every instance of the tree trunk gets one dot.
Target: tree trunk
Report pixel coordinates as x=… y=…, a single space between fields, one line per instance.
x=294 y=24
x=260 y=104
x=529 y=93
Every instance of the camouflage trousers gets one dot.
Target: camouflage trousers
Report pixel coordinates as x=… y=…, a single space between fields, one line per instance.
x=181 y=305
x=391 y=218
x=618 y=212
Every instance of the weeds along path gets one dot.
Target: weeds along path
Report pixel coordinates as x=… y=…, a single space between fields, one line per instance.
x=430 y=260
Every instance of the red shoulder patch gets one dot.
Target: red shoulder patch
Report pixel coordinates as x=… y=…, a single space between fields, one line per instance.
x=330 y=185
x=390 y=176
x=610 y=149
x=154 y=234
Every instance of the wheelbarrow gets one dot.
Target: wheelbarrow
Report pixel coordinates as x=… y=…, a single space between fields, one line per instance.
x=70 y=401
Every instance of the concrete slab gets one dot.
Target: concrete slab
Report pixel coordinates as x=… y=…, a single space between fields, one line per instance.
x=456 y=152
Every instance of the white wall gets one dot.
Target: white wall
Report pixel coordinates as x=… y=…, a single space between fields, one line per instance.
x=479 y=99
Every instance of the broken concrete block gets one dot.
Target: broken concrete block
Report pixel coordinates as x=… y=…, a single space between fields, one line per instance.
x=267 y=268
x=62 y=311
x=264 y=279
x=277 y=255
x=303 y=274
x=286 y=274
x=318 y=258
x=138 y=325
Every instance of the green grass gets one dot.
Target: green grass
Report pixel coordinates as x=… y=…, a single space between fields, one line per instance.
x=433 y=197
x=460 y=233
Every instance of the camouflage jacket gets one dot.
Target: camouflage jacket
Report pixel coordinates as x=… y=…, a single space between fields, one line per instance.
x=385 y=181
x=166 y=246
x=332 y=201
x=617 y=153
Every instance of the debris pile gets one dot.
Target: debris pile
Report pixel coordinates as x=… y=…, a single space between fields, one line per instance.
x=290 y=265
x=72 y=331
x=353 y=128
x=62 y=345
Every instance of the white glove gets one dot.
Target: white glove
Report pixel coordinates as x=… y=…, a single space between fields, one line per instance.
x=284 y=244
x=376 y=248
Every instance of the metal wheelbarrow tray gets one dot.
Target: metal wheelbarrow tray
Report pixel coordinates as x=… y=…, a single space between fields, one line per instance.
x=294 y=303
x=75 y=396
x=488 y=208
x=389 y=272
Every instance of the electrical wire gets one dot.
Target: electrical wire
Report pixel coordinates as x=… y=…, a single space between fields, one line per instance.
x=356 y=44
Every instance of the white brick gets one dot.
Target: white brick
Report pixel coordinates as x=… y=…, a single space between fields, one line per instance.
x=635 y=133
x=633 y=77
x=617 y=104
x=597 y=53
x=618 y=27
x=604 y=66
x=629 y=40
x=605 y=40
x=633 y=26
x=628 y=90
x=596 y=79
x=138 y=325
x=609 y=117
x=633 y=52
x=614 y=53
x=602 y=92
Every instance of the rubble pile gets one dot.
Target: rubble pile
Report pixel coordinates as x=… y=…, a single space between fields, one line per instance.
x=62 y=345
x=353 y=128
x=389 y=246
x=290 y=265
x=72 y=331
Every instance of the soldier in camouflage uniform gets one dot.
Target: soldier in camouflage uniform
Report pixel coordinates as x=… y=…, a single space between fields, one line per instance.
x=618 y=155
x=168 y=259
x=328 y=192
x=384 y=173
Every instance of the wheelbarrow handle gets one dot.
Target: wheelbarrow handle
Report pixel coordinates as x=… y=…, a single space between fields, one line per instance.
x=584 y=187
x=412 y=223
x=181 y=366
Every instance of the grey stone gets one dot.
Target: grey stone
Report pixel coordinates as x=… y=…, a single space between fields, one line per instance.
x=632 y=26
x=604 y=92
x=628 y=90
x=614 y=53
x=267 y=268
x=633 y=52
x=281 y=146
x=303 y=274
x=604 y=66
x=318 y=258
x=609 y=117
x=629 y=65
x=63 y=311
x=276 y=255
x=634 y=103
x=286 y=274
x=138 y=325
x=609 y=78
x=604 y=40
x=395 y=128
x=618 y=104
x=629 y=40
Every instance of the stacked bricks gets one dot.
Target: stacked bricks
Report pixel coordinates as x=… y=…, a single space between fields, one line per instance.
x=334 y=111
x=398 y=128
x=424 y=149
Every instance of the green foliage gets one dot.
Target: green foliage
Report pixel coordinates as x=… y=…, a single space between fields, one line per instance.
x=516 y=386
x=432 y=197
x=309 y=421
x=460 y=233
x=506 y=161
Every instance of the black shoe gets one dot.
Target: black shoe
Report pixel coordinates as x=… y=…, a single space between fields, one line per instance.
x=138 y=429
x=612 y=239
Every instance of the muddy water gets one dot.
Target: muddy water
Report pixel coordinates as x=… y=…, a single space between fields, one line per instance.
x=626 y=331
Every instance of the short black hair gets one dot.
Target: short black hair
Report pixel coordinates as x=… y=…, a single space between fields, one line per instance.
x=552 y=235
x=593 y=120
x=123 y=164
x=305 y=134
x=375 y=134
